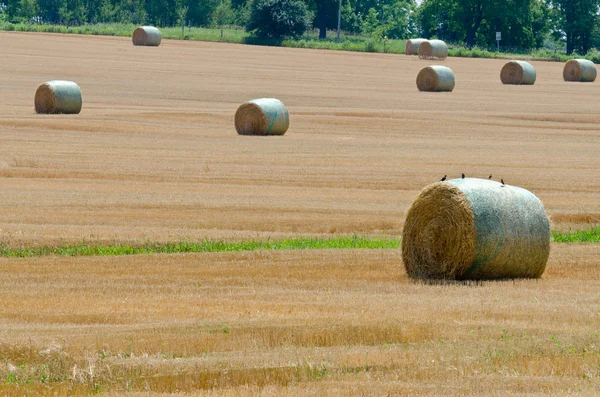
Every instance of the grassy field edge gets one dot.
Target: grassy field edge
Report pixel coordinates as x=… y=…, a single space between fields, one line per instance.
x=238 y=35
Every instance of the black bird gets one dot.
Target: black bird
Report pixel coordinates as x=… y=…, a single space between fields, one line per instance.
x=502 y=180
x=490 y=177
x=444 y=178
x=463 y=176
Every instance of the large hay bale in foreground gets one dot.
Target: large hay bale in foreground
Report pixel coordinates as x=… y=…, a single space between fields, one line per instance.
x=435 y=78
x=580 y=70
x=518 y=72
x=475 y=229
x=146 y=36
x=412 y=46
x=264 y=116
x=433 y=49
x=58 y=96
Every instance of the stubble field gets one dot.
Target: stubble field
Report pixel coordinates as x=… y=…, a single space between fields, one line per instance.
x=154 y=157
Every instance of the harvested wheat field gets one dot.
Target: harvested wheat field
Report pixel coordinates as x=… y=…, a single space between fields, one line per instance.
x=154 y=156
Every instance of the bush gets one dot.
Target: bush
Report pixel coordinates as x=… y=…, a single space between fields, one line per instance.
x=278 y=19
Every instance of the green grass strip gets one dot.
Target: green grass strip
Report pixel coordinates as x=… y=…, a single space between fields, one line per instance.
x=580 y=236
x=94 y=249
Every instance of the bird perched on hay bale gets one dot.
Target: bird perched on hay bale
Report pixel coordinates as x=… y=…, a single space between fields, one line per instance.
x=475 y=229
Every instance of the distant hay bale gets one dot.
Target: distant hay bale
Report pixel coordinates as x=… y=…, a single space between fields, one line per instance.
x=475 y=229
x=518 y=72
x=412 y=46
x=146 y=36
x=433 y=49
x=579 y=70
x=435 y=78
x=264 y=116
x=58 y=96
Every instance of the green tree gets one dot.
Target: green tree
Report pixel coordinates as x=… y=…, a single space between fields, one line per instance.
x=224 y=14
x=576 y=20
x=523 y=23
x=277 y=19
x=371 y=21
x=73 y=12
x=351 y=20
x=50 y=10
x=397 y=20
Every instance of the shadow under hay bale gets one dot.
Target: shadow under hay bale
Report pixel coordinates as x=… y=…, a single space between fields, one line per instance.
x=433 y=49
x=435 y=78
x=412 y=46
x=264 y=116
x=580 y=70
x=518 y=72
x=475 y=229
x=146 y=36
x=58 y=96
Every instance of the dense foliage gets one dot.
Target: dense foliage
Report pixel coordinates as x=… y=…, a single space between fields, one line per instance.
x=525 y=24
x=274 y=19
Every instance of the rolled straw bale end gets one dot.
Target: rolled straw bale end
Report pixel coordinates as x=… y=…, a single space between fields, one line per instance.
x=518 y=72
x=433 y=49
x=58 y=96
x=435 y=78
x=579 y=70
x=264 y=116
x=412 y=46
x=146 y=36
x=475 y=229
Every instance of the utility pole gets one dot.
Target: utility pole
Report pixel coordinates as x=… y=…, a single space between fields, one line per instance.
x=339 y=21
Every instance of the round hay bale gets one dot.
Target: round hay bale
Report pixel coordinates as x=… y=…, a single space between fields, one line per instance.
x=475 y=229
x=518 y=72
x=435 y=78
x=579 y=70
x=146 y=36
x=264 y=116
x=58 y=96
x=433 y=49
x=412 y=46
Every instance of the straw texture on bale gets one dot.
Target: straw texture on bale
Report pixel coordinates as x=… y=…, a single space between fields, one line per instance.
x=412 y=46
x=435 y=78
x=518 y=72
x=433 y=49
x=475 y=229
x=579 y=70
x=265 y=116
x=58 y=96
x=146 y=36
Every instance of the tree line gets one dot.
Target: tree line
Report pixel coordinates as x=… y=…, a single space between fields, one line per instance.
x=524 y=24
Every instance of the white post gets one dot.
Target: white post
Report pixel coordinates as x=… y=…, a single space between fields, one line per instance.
x=498 y=38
